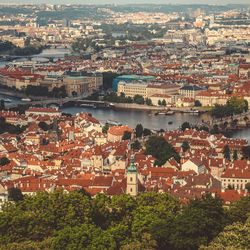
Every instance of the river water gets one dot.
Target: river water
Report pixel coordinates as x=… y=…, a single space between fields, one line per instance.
x=56 y=53
x=133 y=117
x=13 y=100
x=126 y=117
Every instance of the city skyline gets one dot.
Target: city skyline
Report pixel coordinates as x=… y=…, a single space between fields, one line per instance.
x=123 y=2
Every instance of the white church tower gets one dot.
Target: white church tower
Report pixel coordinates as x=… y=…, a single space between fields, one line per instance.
x=132 y=178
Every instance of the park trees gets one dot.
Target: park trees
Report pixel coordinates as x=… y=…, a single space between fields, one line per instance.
x=163 y=103
x=197 y=103
x=226 y=152
x=149 y=102
x=4 y=161
x=237 y=104
x=235 y=155
x=234 y=105
x=138 y=130
x=105 y=128
x=159 y=148
x=185 y=126
x=44 y=126
x=136 y=145
x=246 y=152
x=185 y=146
x=139 y=99
x=126 y=135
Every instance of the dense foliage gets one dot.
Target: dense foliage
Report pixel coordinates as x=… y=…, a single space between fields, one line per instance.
x=159 y=148
x=246 y=152
x=73 y=220
x=108 y=78
x=113 y=97
x=6 y=45
x=4 y=161
x=234 y=106
x=235 y=236
x=126 y=135
x=138 y=99
x=43 y=91
x=10 y=128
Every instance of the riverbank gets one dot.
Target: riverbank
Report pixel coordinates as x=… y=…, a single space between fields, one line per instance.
x=12 y=93
x=134 y=106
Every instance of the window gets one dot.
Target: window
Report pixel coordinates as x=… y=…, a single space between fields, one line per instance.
x=131 y=179
x=131 y=189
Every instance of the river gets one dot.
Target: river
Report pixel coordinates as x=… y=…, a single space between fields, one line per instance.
x=13 y=100
x=133 y=117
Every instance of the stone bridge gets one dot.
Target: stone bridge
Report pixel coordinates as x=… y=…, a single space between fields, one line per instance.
x=234 y=122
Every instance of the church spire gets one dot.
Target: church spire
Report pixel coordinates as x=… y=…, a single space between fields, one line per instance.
x=132 y=178
x=132 y=168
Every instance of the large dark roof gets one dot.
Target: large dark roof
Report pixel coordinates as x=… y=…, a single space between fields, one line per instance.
x=191 y=87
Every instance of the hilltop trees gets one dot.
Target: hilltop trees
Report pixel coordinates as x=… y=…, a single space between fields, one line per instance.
x=235 y=236
x=74 y=220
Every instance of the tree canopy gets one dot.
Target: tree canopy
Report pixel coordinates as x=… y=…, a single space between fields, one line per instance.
x=159 y=148
x=234 y=106
x=139 y=130
x=126 y=135
x=74 y=220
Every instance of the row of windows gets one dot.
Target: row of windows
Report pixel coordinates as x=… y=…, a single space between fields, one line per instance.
x=229 y=180
x=238 y=186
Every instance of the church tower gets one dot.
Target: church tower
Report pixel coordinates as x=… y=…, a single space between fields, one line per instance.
x=132 y=178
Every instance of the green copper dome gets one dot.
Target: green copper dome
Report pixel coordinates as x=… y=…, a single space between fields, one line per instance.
x=132 y=169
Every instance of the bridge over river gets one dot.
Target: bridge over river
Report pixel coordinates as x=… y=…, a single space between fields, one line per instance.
x=74 y=101
x=235 y=122
x=28 y=57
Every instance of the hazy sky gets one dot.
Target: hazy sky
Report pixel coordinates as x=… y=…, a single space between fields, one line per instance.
x=127 y=1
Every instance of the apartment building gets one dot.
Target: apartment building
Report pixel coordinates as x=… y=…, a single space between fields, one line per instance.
x=189 y=91
x=162 y=89
x=132 y=89
x=81 y=84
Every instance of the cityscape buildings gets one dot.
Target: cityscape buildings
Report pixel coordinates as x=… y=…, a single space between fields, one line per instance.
x=164 y=60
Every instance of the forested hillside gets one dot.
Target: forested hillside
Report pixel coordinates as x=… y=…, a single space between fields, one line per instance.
x=151 y=220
